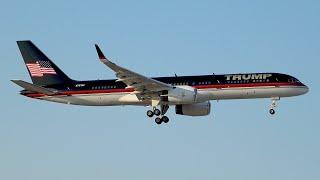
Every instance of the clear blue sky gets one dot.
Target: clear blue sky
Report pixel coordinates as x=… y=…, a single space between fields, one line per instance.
x=239 y=140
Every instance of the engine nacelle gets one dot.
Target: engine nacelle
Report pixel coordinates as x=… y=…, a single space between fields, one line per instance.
x=182 y=95
x=199 y=109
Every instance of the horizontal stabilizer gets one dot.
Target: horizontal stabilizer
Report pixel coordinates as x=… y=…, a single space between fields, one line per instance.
x=34 y=88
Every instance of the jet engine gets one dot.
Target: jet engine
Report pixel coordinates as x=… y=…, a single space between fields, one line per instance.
x=199 y=109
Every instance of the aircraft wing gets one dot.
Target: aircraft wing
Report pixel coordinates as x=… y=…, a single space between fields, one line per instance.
x=142 y=85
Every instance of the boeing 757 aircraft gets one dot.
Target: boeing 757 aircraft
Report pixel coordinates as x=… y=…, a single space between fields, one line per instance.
x=191 y=95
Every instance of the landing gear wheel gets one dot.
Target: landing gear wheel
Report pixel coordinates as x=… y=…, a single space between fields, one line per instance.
x=272 y=111
x=158 y=120
x=150 y=113
x=165 y=119
x=157 y=112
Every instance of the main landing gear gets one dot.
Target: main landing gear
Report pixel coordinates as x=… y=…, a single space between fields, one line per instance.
x=273 y=105
x=161 y=118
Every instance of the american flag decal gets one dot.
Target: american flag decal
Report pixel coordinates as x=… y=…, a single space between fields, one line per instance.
x=40 y=68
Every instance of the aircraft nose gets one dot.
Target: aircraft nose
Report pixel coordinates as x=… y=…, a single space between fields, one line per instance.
x=306 y=89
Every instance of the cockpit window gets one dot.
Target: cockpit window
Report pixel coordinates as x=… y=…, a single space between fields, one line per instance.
x=293 y=80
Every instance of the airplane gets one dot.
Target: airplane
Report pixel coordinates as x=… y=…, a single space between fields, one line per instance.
x=191 y=95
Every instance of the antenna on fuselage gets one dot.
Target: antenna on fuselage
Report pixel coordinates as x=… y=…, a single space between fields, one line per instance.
x=215 y=77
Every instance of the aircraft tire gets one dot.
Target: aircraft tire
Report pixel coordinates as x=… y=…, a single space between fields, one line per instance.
x=157 y=112
x=165 y=119
x=150 y=113
x=272 y=111
x=158 y=120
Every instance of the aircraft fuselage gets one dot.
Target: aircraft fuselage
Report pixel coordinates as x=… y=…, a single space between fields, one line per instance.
x=209 y=87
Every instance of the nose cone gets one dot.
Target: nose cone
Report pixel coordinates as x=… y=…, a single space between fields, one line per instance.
x=305 y=89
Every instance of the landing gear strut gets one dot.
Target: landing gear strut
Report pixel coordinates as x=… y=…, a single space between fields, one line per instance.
x=273 y=105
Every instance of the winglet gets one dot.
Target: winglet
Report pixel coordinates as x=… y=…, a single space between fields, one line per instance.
x=100 y=53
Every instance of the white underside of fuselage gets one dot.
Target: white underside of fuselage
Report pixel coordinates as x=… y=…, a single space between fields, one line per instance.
x=127 y=98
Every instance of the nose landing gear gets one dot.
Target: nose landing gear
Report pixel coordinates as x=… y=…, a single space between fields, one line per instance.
x=273 y=105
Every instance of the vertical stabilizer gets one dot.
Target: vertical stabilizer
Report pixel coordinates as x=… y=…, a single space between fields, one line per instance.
x=41 y=69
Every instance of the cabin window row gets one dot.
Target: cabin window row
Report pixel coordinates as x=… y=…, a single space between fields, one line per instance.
x=247 y=81
x=204 y=83
x=180 y=84
x=103 y=87
x=261 y=80
x=193 y=83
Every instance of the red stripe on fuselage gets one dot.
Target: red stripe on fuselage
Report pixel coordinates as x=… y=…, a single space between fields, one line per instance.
x=211 y=86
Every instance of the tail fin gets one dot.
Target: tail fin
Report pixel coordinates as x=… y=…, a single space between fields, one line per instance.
x=41 y=69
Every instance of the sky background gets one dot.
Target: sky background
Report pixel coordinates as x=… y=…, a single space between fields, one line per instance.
x=238 y=140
